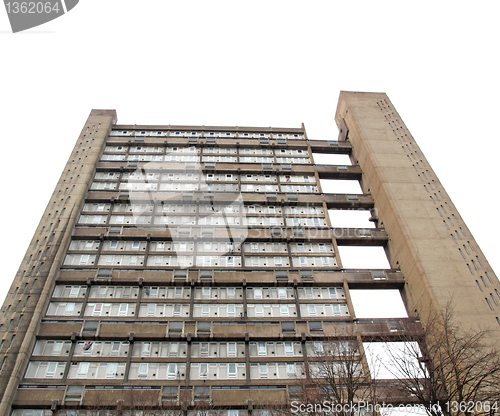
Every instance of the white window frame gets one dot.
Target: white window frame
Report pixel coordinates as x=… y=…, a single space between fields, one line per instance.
x=50 y=372
x=142 y=371
x=111 y=370
x=98 y=310
x=74 y=291
x=83 y=369
x=174 y=349
x=69 y=309
x=263 y=374
x=231 y=349
x=123 y=309
x=262 y=349
x=57 y=348
x=203 y=374
x=232 y=372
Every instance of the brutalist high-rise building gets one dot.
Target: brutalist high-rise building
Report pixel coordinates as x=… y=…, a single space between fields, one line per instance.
x=179 y=265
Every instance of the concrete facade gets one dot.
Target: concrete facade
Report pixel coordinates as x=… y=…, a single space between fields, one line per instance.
x=428 y=240
x=179 y=265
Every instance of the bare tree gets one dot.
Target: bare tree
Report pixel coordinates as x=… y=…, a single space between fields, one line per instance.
x=450 y=371
x=339 y=377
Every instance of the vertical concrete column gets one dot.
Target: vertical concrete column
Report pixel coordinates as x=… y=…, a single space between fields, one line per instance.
x=95 y=132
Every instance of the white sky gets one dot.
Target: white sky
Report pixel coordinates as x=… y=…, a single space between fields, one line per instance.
x=259 y=63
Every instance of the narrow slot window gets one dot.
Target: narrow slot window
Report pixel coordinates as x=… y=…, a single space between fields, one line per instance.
x=493 y=299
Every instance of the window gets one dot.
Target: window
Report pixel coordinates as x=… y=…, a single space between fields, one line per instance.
x=232 y=370
x=176 y=327
x=58 y=345
x=262 y=349
x=111 y=370
x=263 y=370
x=231 y=349
x=83 y=368
x=97 y=309
x=115 y=348
x=123 y=310
x=143 y=370
x=70 y=308
x=206 y=293
x=174 y=349
x=204 y=349
x=203 y=370
x=257 y=293
x=74 y=291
